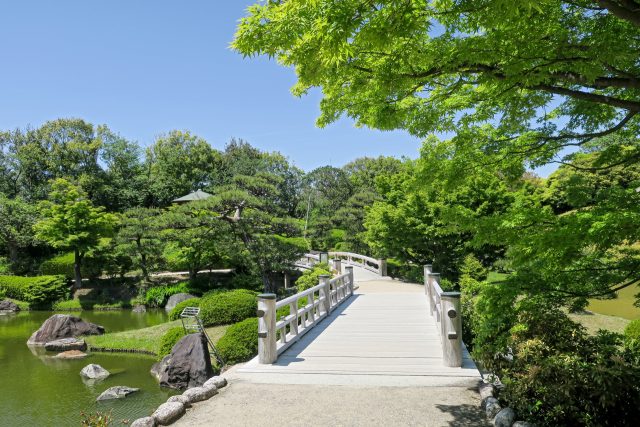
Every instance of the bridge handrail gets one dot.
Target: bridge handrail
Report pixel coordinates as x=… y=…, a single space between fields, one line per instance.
x=446 y=309
x=378 y=266
x=275 y=336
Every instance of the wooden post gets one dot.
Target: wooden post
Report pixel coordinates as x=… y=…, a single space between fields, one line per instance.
x=324 y=257
x=451 y=328
x=267 y=349
x=349 y=271
x=382 y=267
x=337 y=265
x=326 y=292
x=428 y=269
x=433 y=278
x=287 y=280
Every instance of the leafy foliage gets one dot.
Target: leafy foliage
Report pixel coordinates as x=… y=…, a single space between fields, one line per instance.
x=632 y=331
x=37 y=291
x=240 y=341
x=158 y=295
x=226 y=307
x=311 y=278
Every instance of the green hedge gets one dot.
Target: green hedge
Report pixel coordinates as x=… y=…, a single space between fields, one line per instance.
x=408 y=272
x=240 y=342
x=63 y=264
x=191 y=302
x=38 y=290
x=310 y=278
x=158 y=295
x=224 y=308
x=169 y=339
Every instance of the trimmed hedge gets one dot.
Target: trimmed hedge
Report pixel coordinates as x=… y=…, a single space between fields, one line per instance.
x=158 y=295
x=38 y=290
x=240 y=342
x=224 y=308
x=169 y=339
x=191 y=302
x=63 y=264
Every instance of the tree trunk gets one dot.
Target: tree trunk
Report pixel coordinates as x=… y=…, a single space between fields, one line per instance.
x=13 y=252
x=76 y=268
x=143 y=260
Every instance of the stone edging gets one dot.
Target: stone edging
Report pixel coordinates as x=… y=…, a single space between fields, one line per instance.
x=120 y=350
x=499 y=416
x=175 y=406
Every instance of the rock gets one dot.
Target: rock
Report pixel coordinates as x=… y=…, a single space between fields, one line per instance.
x=117 y=392
x=217 y=381
x=180 y=398
x=505 y=418
x=487 y=390
x=491 y=407
x=176 y=299
x=168 y=412
x=63 y=326
x=523 y=424
x=139 y=309
x=144 y=422
x=66 y=344
x=198 y=394
x=71 y=354
x=188 y=365
x=94 y=372
x=9 y=306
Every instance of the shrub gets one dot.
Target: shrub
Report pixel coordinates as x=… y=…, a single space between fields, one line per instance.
x=3 y=293
x=407 y=272
x=310 y=278
x=63 y=264
x=38 y=290
x=240 y=342
x=632 y=331
x=245 y=281
x=226 y=307
x=158 y=296
x=169 y=339
x=191 y=302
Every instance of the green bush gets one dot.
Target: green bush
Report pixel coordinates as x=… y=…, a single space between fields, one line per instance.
x=63 y=264
x=240 y=342
x=191 y=302
x=311 y=278
x=169 y=339
x=3 y=293
x=407 y=272
x=245 y=281
x=226 y=307
x=158 y=295
x=5 y=265
x=38 y=290
x=632 y=331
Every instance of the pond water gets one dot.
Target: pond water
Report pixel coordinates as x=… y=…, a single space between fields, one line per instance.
x=37 y=390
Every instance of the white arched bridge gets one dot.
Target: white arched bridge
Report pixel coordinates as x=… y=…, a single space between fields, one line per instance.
x=361 y=328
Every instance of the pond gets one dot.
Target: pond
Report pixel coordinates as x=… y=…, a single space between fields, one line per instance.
x=43 y=391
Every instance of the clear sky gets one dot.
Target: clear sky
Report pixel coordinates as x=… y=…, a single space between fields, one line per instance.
x=146 y=67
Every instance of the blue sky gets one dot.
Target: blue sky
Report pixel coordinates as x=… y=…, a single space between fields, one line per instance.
x=146 y=67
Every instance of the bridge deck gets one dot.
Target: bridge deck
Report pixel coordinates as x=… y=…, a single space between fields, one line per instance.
x=381 y=336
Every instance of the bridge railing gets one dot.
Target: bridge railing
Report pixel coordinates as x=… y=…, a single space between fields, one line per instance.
x=378 y=266
x=305 y=310
x=446 y=309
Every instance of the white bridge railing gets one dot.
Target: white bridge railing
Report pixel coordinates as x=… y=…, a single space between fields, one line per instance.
x=378 y=266
x=306 y=309
x=445 y=308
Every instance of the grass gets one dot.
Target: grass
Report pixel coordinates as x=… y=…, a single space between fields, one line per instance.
x=146 y=339
x=594 y=322
x=76 y=304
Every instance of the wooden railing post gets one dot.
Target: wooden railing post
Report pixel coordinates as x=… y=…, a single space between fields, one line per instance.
x=382 y=267
x=349 y=271
x=337 y=265
x=428 y=288
x=433 y=277
x=451 y=329
x=326 y=292
x=287 y=280
x=267 y=350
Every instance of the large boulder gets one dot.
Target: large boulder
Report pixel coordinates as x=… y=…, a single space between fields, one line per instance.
x=63 y=326
x=117 y=392
x=94 y=372
x=9 y=306
x=188 y=365
x=505 y=418
x=144 y=422
x=66 y=344
x=198 y=394
x=176 y=299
